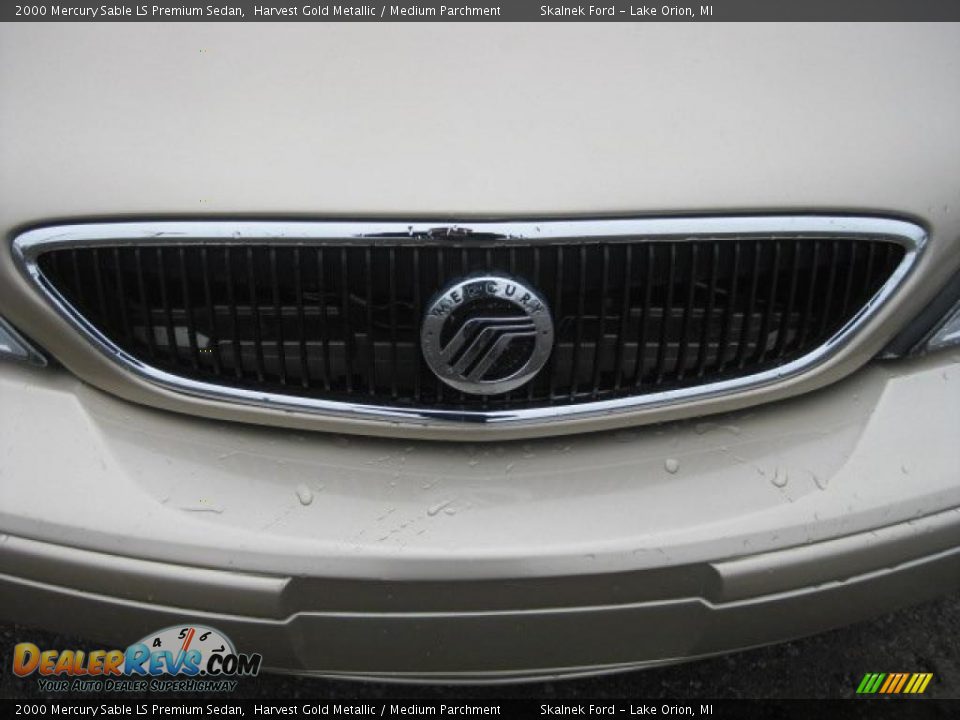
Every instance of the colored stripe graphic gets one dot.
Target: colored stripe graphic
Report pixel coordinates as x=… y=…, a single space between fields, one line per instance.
x=892 y=679
x=894 y=683
x=909 y=687
x=870 y=683
x=903 y=680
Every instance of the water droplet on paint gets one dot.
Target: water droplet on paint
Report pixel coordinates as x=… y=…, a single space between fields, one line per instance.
x=304 y=494
x=779 y=479
x=438 y=507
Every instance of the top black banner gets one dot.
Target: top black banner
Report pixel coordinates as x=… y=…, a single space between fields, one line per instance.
x=480 y=11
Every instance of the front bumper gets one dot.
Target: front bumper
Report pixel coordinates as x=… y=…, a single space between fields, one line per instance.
x=473 y=561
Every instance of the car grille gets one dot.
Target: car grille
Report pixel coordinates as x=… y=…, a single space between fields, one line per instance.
x=340 y=320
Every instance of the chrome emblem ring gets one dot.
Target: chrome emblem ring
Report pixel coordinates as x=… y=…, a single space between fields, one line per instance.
x=486 y=334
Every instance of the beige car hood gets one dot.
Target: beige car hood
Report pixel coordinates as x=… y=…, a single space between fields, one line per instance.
x=477 y=121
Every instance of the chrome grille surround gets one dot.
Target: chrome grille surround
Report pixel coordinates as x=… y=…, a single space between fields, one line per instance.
x=29 y=246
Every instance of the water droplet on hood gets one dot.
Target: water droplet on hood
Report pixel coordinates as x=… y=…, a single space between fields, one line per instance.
x=820 y=482
x=780 y=479
x=202 y=508
x=438 y=507
x=304 y=494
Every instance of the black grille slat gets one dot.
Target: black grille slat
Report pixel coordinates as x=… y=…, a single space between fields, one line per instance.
x=435 y=383
x=344 y=311
x=707 y=323
x=255 y=319
x=808 y=316
x=78 y=283
x=341 y=321
x=464 y=270
x=624 y=315
x=785 y=317
x=417 y=311
x=187 y=306
x=369 y=333
x=850 y=279
x=601 y=323
x=214 y=348
x=392 y=282
x=747 y=323
x=558 y=320
x=691 y=294
x=578 y=322
x=831 y=284
x=232 y=306
x=868 y=277
x=892 y=256
x=770 y=306
x=640 y=355
x=98 y=281
x=323 y=318
x=278 y=317
x=120 y=277
x=536 y=279
x=144 y=305
x=301 y=316
x=666 y=318
x=730 y=310
x=169 y=340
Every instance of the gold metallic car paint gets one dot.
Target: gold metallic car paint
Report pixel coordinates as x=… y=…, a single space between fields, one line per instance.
x=777 y=521
x=876 y=449
x=495 y=646
x=107 y=121
x=650 y=543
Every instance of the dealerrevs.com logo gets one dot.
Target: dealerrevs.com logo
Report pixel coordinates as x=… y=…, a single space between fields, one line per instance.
x=192 y=658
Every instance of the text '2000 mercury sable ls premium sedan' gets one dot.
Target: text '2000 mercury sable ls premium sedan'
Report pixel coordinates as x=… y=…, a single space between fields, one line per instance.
x=471 y=353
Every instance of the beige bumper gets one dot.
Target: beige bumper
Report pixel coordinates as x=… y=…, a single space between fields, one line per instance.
x=476 y=561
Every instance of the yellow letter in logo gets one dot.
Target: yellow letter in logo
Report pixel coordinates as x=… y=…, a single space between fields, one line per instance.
x=26 y=657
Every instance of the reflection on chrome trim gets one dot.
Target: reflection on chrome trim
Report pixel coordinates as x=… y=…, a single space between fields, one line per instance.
x=29 y=245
